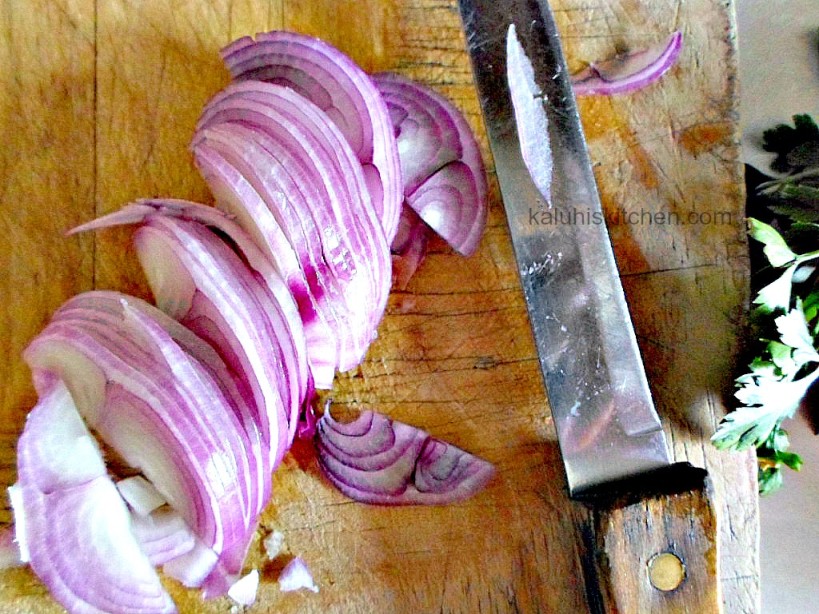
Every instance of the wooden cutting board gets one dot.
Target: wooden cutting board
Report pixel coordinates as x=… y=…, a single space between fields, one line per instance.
x=98 y=102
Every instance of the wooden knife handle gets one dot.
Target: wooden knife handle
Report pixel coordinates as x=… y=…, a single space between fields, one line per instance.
x=657 y=554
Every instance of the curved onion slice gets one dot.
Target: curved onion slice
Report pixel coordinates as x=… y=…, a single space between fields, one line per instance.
x=318 y=196
x=69 y=511
x=377 y=460
x=161 y=410
x=408 y=248
x=333 y=82
x=629 y=72
x=284 y=313
x=105 y=307
x=431 y=134
x=227 y=307
x=530 y=116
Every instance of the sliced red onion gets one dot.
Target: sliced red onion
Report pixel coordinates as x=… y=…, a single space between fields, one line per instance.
x=408 y=248
x=235 y=195
x=446 y=203
x=629 y=72
x=333 y=82
x=244 y=590
x=92 y=305
x=377 y=460
x=296 y=576
x=78 y=516
x=163 y=535
x=161 y=411
x=284 y=313
x=10 y=555
x=431 y=134
x=316 y=173
x=228 y=308
x=140 y=495
x=530 y=116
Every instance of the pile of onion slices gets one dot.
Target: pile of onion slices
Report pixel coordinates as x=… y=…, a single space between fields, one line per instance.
x=317 y=170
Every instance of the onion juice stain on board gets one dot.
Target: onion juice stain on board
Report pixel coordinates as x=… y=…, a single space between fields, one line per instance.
x=703 y=138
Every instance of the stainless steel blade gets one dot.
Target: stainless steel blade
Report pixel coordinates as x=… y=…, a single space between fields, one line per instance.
x=606 y=423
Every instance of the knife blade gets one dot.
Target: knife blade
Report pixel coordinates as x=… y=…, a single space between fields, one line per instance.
x=649 y=538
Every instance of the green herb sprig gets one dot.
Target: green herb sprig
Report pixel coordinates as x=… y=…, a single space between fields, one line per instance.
x=787 y=312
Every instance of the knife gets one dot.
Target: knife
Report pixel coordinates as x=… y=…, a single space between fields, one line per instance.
x=648 y=528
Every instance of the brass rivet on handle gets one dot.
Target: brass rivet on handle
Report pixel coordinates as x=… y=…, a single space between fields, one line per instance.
x=666 y=571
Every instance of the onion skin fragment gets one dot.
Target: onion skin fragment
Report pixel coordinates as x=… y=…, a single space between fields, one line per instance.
x=380 y=461
x=629 y=72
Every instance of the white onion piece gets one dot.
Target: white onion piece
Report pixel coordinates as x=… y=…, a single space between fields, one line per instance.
x=273 y=544
x=140 y=495
x=193 y=567
x=244 y=589
x=296 y=576
x=377 y=460
x=333 y=82
x=79 y=517
x=163 y=535
x=530 y=116
x=629 y=72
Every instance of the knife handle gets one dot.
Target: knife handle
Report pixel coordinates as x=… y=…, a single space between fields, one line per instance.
x=657 y=554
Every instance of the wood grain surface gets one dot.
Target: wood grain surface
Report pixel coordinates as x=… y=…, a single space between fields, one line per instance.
x=98 y=101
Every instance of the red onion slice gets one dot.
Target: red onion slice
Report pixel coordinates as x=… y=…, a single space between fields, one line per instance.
x=284 y=311
x=629 y=72
x=228 y=308
x=334 y=83
x=316 y=173
x=104 y=308
x=377 y=460
x=408 y=248
x=432 y=134
x=163 y=413
x=446 y=203
x=78 y=516
x=530 y=116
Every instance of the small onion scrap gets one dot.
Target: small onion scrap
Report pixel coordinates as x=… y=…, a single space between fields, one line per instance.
x=629 y=72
